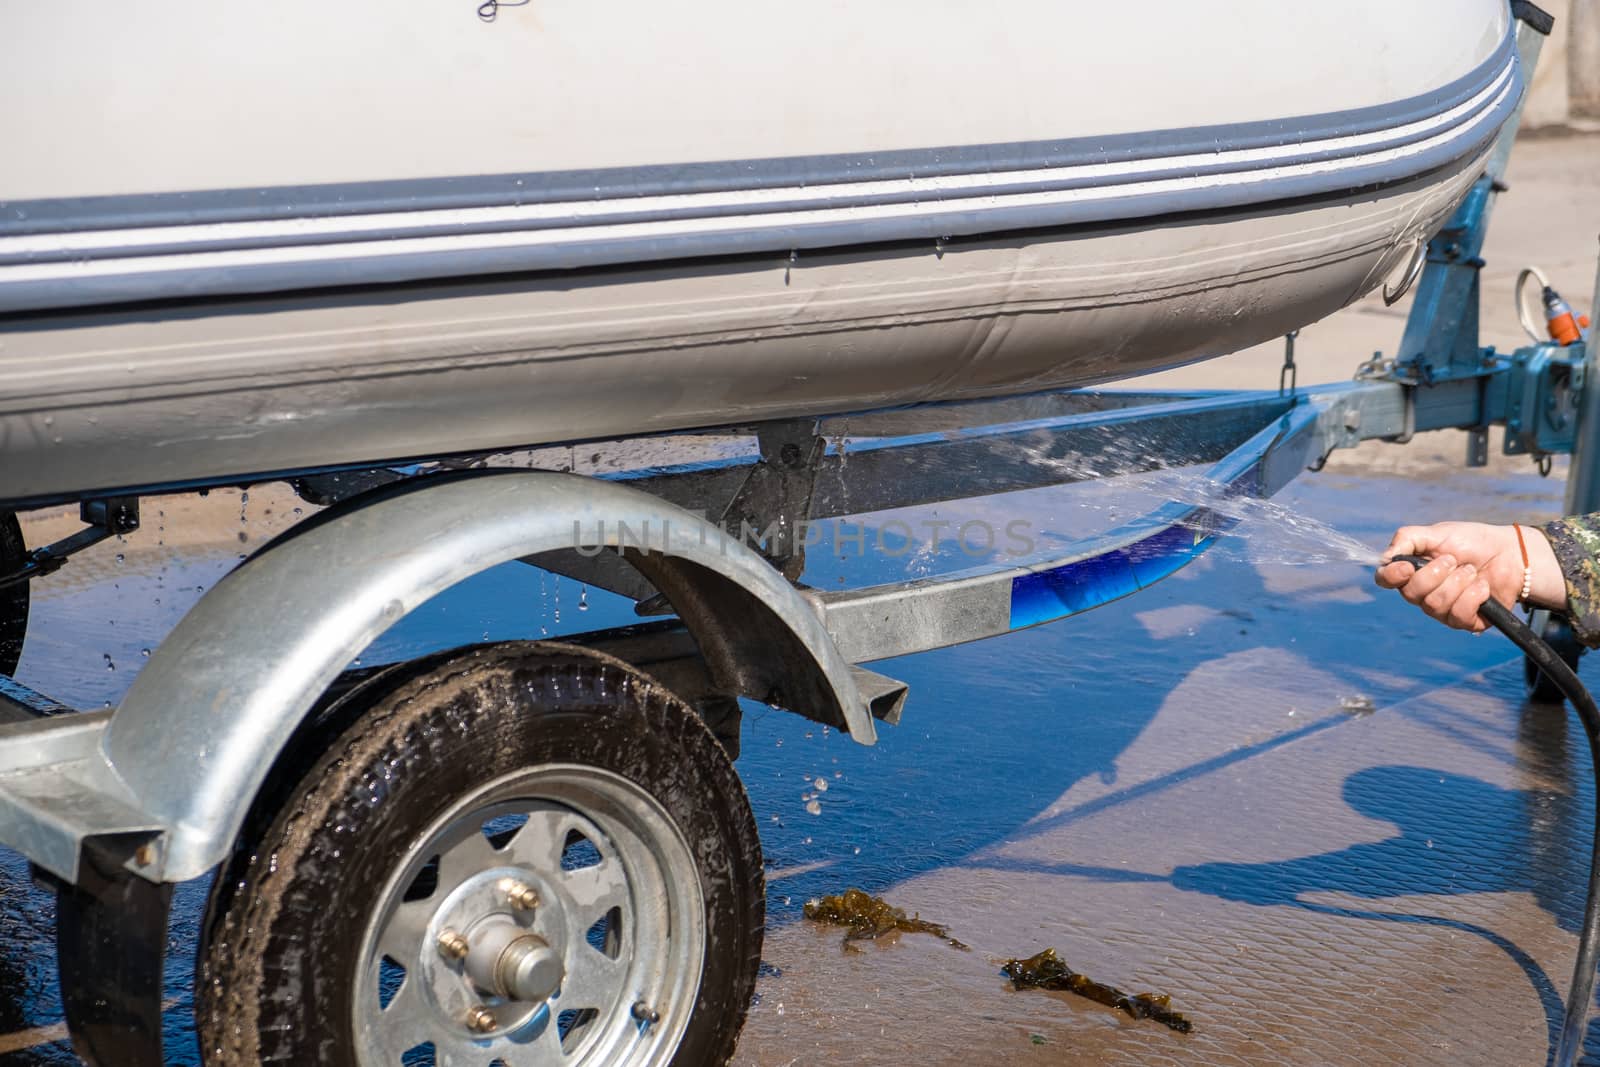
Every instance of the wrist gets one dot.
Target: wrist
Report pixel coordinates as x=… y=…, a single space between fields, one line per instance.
x=1547 y=587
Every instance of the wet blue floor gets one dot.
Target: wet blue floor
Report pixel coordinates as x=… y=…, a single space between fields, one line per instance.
x=997 y=732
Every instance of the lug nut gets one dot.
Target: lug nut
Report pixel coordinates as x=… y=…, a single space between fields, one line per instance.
x=480 y=1019
x=522 y=896
x=452 y=945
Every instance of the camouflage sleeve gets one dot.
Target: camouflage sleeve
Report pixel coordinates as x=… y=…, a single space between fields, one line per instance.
x=1576 y=540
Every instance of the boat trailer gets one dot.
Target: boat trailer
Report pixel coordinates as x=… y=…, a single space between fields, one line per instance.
x=205 y=761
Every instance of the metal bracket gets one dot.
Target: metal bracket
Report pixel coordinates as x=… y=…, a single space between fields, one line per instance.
x=1441 y=334
x=334 y=486
x=105 y=517
x=1536 y=17
x=1478 y=446
x=1544 y=384
x=772 y=506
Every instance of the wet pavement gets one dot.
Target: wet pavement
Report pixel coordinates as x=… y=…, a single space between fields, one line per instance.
x=1328 y=828
x=1180 y=795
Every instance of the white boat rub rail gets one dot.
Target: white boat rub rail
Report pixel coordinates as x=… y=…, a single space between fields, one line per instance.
x=44 y=270
x=81 y=213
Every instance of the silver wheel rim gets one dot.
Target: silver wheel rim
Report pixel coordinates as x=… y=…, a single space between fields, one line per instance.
x=552 y=918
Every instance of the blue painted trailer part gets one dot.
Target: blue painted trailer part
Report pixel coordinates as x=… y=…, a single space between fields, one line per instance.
x=1155 y=546
x=1001 y=596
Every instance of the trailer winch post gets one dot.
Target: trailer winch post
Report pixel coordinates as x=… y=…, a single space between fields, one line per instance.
x=1583 y=476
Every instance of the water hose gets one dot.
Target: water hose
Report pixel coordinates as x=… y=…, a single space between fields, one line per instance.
x=1565 y=679
x=1560 y=325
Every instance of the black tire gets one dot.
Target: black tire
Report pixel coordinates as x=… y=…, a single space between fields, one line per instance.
x=1559 y=636
x=283 y=931
x=13 y=598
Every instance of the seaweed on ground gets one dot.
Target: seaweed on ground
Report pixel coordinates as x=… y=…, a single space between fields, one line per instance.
x=867 y=918
x=1049 y=971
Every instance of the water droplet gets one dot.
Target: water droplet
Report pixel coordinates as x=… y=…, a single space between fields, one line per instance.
x=1359 y=704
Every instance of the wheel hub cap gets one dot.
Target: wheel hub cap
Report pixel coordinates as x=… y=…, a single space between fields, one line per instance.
x=507 y=961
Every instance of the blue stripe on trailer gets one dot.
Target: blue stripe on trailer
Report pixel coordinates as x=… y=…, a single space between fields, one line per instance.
x=1082 y=584
x=1043 y=596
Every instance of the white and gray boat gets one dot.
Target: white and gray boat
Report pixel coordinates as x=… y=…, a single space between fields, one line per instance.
x=238 y=241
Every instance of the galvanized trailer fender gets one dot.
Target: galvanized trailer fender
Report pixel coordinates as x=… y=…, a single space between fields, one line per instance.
x=223 y=693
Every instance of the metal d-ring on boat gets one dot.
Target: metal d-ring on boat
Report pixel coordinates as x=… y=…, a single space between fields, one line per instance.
x=1419 y=258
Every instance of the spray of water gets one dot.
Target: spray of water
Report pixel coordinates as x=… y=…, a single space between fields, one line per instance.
x=1267 y=531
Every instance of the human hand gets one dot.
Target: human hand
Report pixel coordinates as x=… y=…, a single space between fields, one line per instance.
x=1469 y=563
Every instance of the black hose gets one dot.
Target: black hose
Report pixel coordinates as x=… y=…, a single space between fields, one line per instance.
x=1565 y=679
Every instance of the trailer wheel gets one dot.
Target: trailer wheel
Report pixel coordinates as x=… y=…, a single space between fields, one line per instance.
x=526 y=854
x=13 y=598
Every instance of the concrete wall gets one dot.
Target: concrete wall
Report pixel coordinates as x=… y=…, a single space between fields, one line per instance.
x=1583 y=59
x=1566 y=87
